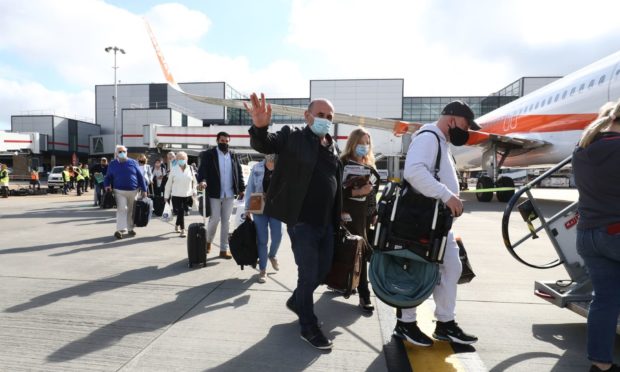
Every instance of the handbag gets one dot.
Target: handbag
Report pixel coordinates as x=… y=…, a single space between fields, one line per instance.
x=467 y=274
x=257 y=203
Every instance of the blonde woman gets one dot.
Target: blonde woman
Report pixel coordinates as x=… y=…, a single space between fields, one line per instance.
x=358 y=198
x=180 y=188
x=596 y=166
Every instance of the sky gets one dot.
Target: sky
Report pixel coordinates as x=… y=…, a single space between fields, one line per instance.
x=52 y=51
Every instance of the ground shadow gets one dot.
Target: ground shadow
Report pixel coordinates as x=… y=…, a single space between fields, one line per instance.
x=282 y=349
x=149 y=320
x=145 y=274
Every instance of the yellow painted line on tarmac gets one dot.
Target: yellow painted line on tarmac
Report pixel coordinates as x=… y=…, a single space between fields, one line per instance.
x=438 y=358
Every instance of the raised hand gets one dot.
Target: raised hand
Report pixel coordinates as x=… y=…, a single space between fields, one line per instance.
x=260 y=111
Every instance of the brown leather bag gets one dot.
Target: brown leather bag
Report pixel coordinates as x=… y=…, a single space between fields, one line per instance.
x=257 y=203
x=344 y=275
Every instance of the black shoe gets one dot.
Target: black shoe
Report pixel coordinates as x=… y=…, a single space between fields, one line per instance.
x=290 y=304
x=316 y=338
x=131 y=233
x=118 y=235
x=613 y=368
x=451 y=332
x=366 y=305
x=412 y=333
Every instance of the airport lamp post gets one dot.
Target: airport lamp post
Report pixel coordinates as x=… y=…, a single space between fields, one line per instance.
x=115 y=49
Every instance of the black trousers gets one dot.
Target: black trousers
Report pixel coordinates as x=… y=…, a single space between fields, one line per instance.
x=179 y=204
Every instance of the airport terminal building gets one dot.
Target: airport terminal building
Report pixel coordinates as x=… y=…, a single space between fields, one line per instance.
x=152 y=118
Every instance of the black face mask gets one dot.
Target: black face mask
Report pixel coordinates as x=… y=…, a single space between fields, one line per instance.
x=222 y=146
x=458 y=136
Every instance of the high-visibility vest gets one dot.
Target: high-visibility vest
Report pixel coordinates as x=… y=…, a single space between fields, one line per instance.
x=34 y=176
x=66 y=176
x=4 y=176
x=85 y=172
x=78 y=176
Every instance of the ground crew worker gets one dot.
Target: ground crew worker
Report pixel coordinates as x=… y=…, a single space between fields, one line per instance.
x=4 y=181
x=79 y=179
x=86 y=175
x=34 y=180
x=66 y=179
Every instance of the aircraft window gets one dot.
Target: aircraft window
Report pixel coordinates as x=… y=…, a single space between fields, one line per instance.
x=564 y=94
x=591 y=83
x=601 y=80
x=531 y=107
x=557 y=97
x=537 y=104
x=549 y=100
x=617 y=72
x=582 y=87
x=572 y=91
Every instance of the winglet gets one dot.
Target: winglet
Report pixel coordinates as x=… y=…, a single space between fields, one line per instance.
x=160 y=57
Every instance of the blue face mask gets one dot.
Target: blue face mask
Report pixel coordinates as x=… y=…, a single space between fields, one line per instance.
x=122 y=155
x=361 y=150
x=321 y=126
x=181 y=163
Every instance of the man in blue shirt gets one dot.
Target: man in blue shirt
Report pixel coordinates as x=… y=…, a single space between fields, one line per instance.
x=126 y=177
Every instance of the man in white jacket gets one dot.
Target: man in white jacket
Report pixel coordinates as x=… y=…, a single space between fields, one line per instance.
x=451 y=127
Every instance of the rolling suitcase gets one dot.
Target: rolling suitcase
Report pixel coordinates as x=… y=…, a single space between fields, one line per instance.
x=344 y=275
x=142 y=212
x=197 y=243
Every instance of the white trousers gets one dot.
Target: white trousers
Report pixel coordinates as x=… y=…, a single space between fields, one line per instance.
x=221 y=209
x=444 y=293
x=125 y=201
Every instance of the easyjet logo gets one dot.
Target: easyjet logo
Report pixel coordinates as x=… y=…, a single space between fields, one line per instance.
x=572 y=222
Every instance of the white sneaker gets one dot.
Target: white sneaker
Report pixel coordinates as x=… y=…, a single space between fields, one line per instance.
x=177 y=228
x=262 y=277
x=274 y=263
x=182 y=233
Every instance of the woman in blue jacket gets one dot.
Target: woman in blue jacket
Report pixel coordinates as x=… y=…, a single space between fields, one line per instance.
x=125 y=176
x=260 y=178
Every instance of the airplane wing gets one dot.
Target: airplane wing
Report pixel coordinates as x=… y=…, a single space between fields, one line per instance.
x=398 y=127
x=481 y=138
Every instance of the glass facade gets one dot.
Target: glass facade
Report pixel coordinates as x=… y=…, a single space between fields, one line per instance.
x=427 y=109
x=235 y=116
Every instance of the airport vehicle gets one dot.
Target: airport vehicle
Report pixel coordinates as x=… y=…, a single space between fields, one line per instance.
x=540 y=128
x=54 y=179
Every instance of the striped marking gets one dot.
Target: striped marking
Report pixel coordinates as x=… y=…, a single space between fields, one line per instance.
x=442 y=356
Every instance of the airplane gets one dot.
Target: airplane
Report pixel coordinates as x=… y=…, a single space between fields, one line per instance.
x=541 y=128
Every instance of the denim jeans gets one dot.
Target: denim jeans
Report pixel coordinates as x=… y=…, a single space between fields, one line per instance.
x=313 y=248
x=601 y=253
x=264 y=224
x=98 y=189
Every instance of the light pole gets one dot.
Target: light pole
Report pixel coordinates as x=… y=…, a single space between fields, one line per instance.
x=115 y=49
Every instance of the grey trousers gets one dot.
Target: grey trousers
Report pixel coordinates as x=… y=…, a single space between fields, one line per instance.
x=221 y=209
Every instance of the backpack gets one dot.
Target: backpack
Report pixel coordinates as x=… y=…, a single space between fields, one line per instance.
x=243 y=245
x=412 y=221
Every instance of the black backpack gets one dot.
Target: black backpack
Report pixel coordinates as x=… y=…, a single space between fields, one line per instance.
x=243 y=245
x=412 y=221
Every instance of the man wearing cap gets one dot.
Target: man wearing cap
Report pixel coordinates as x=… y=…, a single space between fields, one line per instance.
x=453 y=127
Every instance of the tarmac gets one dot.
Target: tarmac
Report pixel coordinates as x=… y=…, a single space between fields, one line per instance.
x=73 y=298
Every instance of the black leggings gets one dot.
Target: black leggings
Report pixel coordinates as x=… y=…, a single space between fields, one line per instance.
x=178 y=204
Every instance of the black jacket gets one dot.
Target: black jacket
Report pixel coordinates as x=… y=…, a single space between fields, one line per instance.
x=209 y=172
x=298 y=151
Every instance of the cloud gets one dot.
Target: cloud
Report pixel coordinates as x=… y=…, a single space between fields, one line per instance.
x=18 y=99
x=446 y=47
